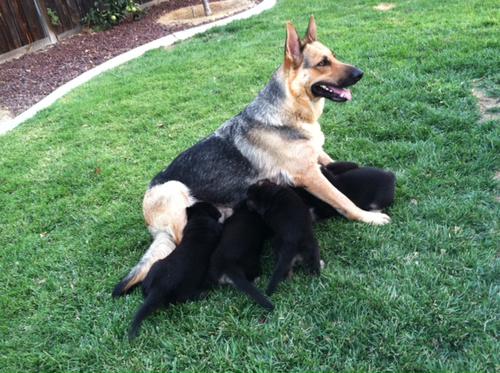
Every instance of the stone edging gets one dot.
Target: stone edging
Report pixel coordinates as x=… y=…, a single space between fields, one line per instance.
x=125 y=57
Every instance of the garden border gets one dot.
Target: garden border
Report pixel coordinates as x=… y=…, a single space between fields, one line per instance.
x=125 y=57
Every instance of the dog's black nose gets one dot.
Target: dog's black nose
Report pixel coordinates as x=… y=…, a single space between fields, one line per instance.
x=356 y=74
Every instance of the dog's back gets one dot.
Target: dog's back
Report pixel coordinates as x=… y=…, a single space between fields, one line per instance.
x=182 y=275
x=237 y=257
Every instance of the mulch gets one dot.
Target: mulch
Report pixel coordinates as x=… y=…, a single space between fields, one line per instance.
x=28 y=79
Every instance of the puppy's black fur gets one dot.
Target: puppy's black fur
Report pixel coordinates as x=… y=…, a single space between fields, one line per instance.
x=237 y=257
x=182 y=275
x=369 y=188
x=290 y=220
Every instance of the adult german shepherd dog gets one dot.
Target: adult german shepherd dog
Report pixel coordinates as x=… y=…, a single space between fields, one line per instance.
x=276 y=137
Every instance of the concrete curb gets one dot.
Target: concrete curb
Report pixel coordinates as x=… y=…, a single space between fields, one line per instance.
x=125 y=57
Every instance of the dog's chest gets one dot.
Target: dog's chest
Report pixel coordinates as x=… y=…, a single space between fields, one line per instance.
x=279 y=154
x=315 y=135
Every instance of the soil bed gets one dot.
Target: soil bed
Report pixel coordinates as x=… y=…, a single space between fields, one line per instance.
x=28 y=79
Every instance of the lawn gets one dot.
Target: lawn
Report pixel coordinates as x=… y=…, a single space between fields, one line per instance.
x=420 y=294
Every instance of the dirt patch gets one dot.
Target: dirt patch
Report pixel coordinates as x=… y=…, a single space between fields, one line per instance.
x=194 y=15
x=384 y=7
x=489 y=107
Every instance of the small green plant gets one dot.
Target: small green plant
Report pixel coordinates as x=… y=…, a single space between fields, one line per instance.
x=54 y=18
x=108 y=13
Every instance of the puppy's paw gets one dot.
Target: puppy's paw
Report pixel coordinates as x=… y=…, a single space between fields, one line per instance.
x=375 y=218
x=321 y=264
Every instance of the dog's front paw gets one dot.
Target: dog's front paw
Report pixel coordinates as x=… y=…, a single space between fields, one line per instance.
x=375 y=218
x=321 y=264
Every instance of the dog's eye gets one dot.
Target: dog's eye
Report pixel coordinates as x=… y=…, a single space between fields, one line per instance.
x=324 y=62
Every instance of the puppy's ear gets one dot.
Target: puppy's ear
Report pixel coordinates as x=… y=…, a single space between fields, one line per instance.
x=251 y=205
x=264 y=182
x=214 y=212
x=203 y=208
x=311 y=33
x=190 y=211
x=339 y=167
x=195 y=209
x=293 y=50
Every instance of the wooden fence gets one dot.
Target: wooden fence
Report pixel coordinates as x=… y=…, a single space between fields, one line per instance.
x=34 y=22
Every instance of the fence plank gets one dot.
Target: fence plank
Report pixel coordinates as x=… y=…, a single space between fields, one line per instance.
x=33 y=24
x=19 y=24
x=8 y=28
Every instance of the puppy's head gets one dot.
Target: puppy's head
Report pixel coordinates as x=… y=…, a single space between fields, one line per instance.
x=260 y=195
x=203 y=209
x=313 y=70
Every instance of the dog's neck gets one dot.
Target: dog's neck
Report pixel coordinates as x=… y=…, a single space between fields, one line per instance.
x=279 y=104
x=301 y=104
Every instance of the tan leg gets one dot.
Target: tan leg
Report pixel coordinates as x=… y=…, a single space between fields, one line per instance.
x=317 y=184
x=165 y=214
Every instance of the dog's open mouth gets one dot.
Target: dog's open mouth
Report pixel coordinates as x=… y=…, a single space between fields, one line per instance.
x=328 y=90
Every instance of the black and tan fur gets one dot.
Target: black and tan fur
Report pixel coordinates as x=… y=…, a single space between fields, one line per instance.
x=276 y=137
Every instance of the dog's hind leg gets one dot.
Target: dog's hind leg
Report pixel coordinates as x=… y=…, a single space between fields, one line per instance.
x=165 y=214
x=241 y=283
x=283 y=267
x=312 y=260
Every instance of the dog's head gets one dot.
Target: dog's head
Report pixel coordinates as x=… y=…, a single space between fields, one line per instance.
x=260 y=196
x=312 y=69
x=203 y=209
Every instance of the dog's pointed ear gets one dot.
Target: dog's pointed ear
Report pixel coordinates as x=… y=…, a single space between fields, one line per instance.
x=311 y=33
x=293 y=52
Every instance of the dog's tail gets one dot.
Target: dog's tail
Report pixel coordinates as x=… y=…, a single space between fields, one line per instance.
x=163 y=244
x=165 y=214
x=241 y=283
x=151 y=304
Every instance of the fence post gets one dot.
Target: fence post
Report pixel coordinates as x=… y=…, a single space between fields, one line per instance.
x=43 y=22
x=206 y=8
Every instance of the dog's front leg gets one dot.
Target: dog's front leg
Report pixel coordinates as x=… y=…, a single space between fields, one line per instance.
x=324 y=159
x=315 y=183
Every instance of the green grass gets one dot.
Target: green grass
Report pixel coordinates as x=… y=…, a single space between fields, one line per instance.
x=420 y=294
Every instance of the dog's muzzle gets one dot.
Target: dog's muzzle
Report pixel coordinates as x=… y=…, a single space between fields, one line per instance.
x=337 y=91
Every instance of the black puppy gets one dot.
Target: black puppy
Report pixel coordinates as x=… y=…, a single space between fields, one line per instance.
x=290 y=220
x=182 y=275
x=237 y=257
x=369 y=188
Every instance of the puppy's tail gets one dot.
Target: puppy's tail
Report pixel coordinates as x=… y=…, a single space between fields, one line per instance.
x=150 y=305
x=165 y=214
x=241 y=283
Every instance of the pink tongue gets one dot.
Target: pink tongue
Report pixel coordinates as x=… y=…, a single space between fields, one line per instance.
x=344 y=93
